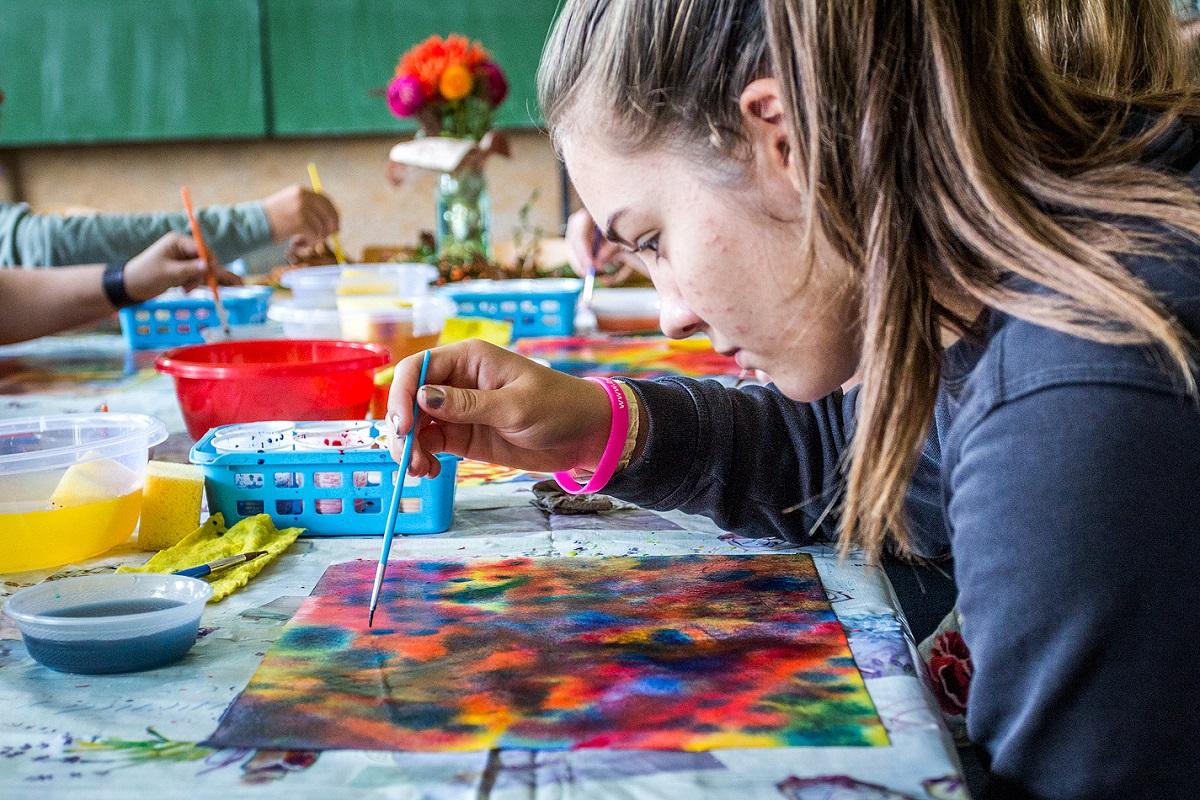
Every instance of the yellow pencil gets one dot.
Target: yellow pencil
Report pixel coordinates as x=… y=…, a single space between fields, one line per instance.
x=338 y=252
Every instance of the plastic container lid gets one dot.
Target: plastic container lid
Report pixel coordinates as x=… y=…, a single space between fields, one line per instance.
x=115 y=623
x=32 y=444
x=204 y=293
x=518 y=286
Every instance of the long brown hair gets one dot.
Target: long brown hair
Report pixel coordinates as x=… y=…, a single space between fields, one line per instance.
x=1118 y=48
x=942 y=157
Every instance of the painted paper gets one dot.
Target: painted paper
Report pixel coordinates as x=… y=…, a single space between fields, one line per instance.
x=665 y=652
x=634 y=357
x=480 y=473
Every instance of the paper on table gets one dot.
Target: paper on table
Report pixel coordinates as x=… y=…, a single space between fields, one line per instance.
x=663 y=652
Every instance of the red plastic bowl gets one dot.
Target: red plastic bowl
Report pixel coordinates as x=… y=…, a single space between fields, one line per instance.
x=284 y=379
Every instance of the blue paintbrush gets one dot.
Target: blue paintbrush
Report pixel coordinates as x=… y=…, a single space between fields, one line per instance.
x=394 y=508
x=220 y=563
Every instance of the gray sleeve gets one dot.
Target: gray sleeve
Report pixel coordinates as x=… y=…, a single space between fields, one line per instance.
x=35 y=240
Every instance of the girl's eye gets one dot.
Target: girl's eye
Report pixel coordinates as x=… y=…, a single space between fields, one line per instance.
x=650 y=244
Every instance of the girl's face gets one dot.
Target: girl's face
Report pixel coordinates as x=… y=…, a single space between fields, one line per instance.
x=725 y=261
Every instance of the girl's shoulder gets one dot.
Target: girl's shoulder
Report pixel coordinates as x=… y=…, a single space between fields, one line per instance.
x=1021 y=358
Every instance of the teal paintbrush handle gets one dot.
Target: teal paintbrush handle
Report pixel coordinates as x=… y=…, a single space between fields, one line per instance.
x=398 y=490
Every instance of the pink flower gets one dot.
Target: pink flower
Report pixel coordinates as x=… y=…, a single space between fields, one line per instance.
x=405 y=96
x=493 y=82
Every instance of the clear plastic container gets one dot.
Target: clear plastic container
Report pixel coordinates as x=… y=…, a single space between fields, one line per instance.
x=306 y=323
x=404 y=325
x=99 y=624
x=70 y=485
x=339 y=436
x=320 y=287
x=626 y=309
x=254 y=437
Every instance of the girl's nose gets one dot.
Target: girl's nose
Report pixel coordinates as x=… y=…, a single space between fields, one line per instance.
x=675 y=318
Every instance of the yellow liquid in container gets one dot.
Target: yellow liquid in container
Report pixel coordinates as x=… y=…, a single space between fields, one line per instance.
x=46 y=537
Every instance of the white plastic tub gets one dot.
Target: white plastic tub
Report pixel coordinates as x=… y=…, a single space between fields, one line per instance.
x=306 y=323
x=319 y=287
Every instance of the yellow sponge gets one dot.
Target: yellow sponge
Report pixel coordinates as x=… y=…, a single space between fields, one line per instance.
x=93 y=482
x=170 y=504
x=459 y=329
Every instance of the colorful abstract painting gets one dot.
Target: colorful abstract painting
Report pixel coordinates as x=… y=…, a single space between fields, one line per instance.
x=481 y=473
x=634 y=357
x=663 y=652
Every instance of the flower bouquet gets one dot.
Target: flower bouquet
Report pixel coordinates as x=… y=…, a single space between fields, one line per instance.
x=452 y=88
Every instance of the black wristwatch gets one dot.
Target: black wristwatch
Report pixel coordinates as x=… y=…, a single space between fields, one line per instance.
x=114 y=285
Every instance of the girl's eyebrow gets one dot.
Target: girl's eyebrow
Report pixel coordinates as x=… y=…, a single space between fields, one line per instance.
x=610 y=229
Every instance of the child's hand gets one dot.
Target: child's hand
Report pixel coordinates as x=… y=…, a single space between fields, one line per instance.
x=481 y=401
x=169 y=262
x=585 y=246
x=300 y=212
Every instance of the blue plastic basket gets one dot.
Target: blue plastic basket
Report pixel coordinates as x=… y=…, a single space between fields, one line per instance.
x=173 y=321
x=329 y=492
x=542 y=307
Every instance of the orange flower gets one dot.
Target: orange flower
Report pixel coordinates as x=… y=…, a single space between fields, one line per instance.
x=464 y=51
x=429 y=61
x=455 y=82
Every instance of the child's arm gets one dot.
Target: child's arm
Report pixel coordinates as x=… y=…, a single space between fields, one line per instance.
x=35 y=303
x=46 y=240
x=752 y=460
x=760 y=464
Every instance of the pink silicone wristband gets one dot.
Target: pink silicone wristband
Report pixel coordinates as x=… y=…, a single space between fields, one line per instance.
x=612 y=449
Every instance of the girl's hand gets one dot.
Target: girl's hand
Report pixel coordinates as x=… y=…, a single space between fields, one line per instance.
x=169 y=262
x=483 y=402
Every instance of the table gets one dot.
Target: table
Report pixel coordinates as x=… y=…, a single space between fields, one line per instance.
x=135 y=735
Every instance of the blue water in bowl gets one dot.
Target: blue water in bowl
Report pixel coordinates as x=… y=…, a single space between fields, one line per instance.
x=107 y=656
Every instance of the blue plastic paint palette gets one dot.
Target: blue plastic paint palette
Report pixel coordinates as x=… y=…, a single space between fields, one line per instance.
x=100 y=624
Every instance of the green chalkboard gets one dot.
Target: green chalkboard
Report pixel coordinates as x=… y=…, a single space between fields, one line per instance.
x=326 y=56
x=121 y=70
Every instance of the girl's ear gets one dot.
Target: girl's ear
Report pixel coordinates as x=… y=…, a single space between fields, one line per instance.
x=762 y=113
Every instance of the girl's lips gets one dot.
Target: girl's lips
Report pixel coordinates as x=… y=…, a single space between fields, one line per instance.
x=739 y=357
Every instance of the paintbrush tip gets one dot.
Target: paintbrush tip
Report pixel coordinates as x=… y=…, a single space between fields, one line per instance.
x=371 y=618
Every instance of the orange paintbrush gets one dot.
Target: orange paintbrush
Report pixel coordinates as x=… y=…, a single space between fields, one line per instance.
x=202 y=252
